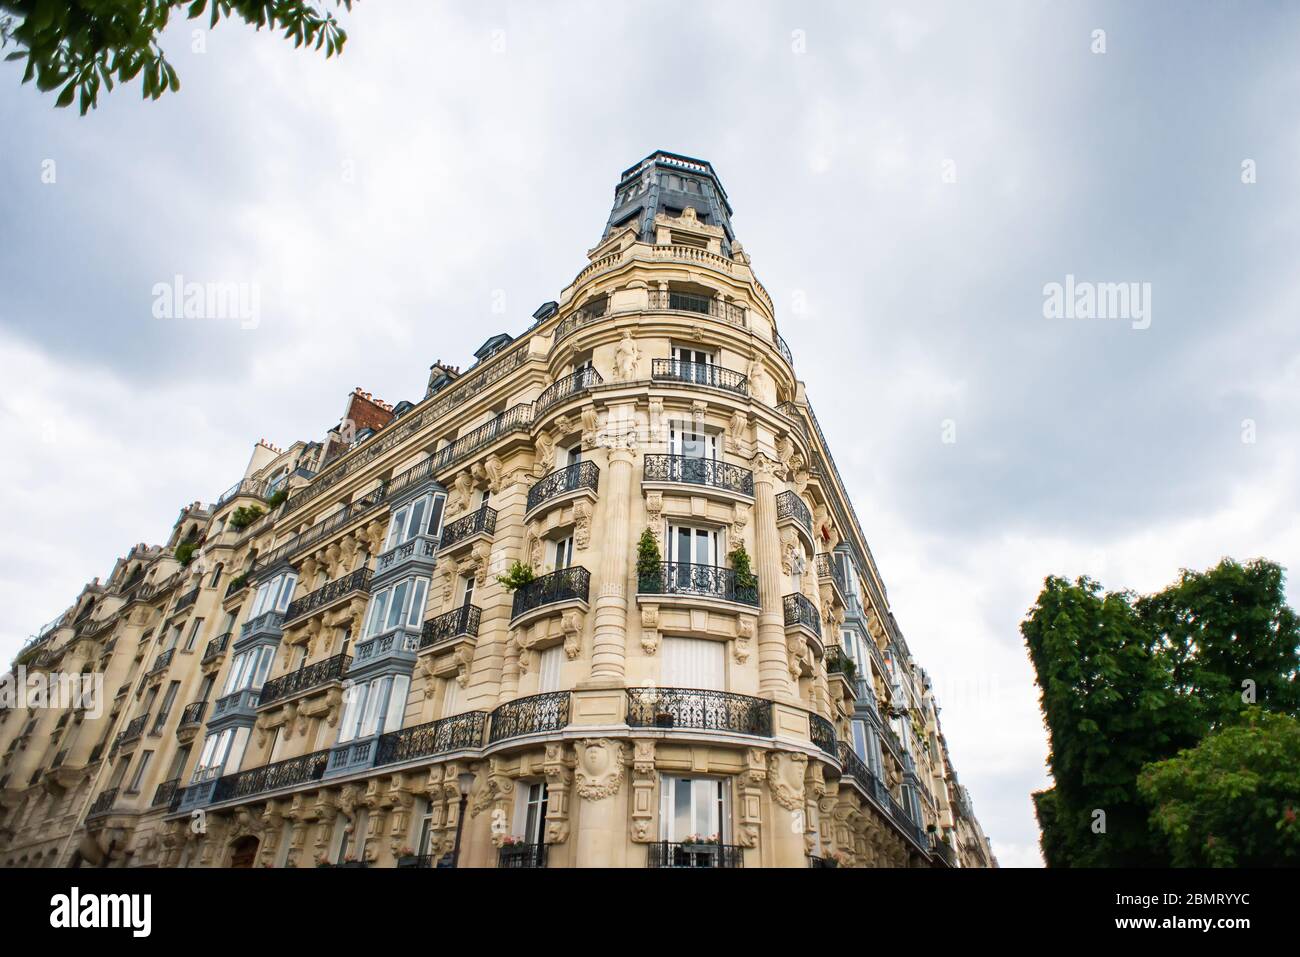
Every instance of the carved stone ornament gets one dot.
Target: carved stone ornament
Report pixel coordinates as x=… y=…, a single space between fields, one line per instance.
x=786 y=771
x=650 y=629
x=600 y=768
x=625 y=359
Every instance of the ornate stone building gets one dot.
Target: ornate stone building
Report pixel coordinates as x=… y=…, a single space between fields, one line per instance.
x=598 y=600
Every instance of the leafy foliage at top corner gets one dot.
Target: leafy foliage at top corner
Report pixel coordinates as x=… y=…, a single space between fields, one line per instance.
x=244 y=516
x=1127 y=682
x=517 y=576
x=77 y=46
x=185 y=552
x=740 y=564
x=276 y=498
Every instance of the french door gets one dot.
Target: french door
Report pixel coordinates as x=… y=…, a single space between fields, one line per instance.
x=694 y=365
x=694 y=809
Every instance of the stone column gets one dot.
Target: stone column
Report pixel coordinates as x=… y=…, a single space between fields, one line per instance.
x=609 y=646
x=773 y=659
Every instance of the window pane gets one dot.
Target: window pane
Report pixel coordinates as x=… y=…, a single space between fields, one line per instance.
x=417 y=515
x=395 y=609
x=416 y=617
x=377 y=612
x=681 y=809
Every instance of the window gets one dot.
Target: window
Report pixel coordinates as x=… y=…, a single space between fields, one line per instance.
x=178 y=763
x=699 y=546
x=274 y=594
x=450 y=696
x=249 y=669
x=694 y=807
x=694 y=365
x=423 y=516
x=563 y=553
x=195 y=627
x=690 y=440
x=374 y=707
x=134 y=786
x=424 y=843
x=216 y=575
x=572 y=455
x=401 y=604
x=166 y=708
x=173 y=636
x=548 y=669
x=467 y=589
x=531 y=824
x=694 y=663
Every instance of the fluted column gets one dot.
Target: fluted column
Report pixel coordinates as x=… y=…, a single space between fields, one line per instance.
x=773 y=659
x=609 y=646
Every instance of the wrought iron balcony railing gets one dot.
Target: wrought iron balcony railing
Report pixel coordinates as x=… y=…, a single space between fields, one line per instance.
x=867 y=779
x=561 y=481
x=800 y=611
x=167 y=792
x=589 y=313
x=162 y=661
x=697 y=708
x=271 y=777
x=822 y=733
x=483 y=521
x=186 y=600
x=685 y=578
x=421 y=546
x=699 y=373
x=782 y=348
x=692 y=470
x=304 y=679
x=815 y=861
x=694 y=854
x=192 y=714
x=532 y=715
x=103 y=803
x=522 y=855
x=215 y=647
x=453 y=733
x=564 y=585
x=237 y=584
x=134 y=729
x=790 y=505
x=565 y=388
x=455 y=623
x=661 y=300
x=838 y=662
x=356 y=581
x=943 y=849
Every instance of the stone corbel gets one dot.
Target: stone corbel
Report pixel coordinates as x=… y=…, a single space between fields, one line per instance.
x=736 y=433
x=650 y=629
x=482 y=556
x=744 y=635
x=543 y=453
x=590 y=425
x=600 y=768
x=785 y=778
x=814 y=791
x=644 y=782
x=581 y=523
x=797 y=647
x=464 y=657
x=749 y=797
x=559 y=781
x=459 y=497
x=571 y=625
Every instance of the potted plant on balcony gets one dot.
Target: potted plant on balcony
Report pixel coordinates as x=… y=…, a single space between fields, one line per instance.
x=185 y=552
x=277 y=497
x=746 y=580
x=517 y=576
x=244 y=516
x=648 y=563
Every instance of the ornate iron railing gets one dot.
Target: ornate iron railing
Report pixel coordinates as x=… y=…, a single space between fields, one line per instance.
x=563 y=585
x=522 y=855
x=103 y=803
x=943 y=849
x=782 y=348
x=685 y=578
x=589 y=313
x=532 y=715
x=189 y=598
x=483 y=521
x=415 y=860
x=163 y=660
x=271 y=777
x=166 y=793
x=838 y=662
x=459 y=621
x=800 y=611
x=436 y=737
x=426 y=546
x=516 y=417
x=238 y=583
x=699 y=373
x=368 y=503
x=565 y=388
x=246 y=487
x=692 y=470
x=822 y=733
x=134 y=729
x=192 y=713
x=814 y=861
x=358 y=580
x=568 y=479
x=790 y=505
x=216 y=646
x=696 y=708
x=305 y=678
x=697 y=854
x=666 y=300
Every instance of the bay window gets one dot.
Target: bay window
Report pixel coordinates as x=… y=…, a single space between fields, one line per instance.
x=373 y=707
x=274 y=594
x=423 y=516
x=400 y=604
x=249 y=669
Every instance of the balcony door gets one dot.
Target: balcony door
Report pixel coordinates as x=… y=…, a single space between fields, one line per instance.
x=693 y=545
x=533 y=818
x=694 y=809
x=696 y=448
x=694 y=365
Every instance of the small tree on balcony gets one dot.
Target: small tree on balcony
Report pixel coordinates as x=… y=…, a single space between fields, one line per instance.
x=517 y=576
x=648 y=560
x=746 y=580
x=244 y=516
x=277 y=497
x=185 y=552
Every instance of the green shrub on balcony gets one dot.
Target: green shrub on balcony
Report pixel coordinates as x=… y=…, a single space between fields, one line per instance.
x=244 y=516
x=277 y=497
x=517 y=576
x=185 y=552
x=745 y=578
x=648 y=559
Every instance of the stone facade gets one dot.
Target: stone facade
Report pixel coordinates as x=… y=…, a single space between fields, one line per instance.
x=443 y=636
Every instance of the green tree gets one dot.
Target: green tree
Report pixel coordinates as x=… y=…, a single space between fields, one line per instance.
x=74 y=46
x=1232 y=800
x=648 y=561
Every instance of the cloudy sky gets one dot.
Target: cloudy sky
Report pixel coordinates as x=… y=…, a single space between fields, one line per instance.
x=906 y=178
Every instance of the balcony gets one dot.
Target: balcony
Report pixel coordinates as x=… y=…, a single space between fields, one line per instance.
x=461 y=622
x=706 y=581
x=802 y=613
x=567 y=584
x=855 y=768
x=168 y=794
x=103 y=803
x=827 y=571
x=267 y=625
x=533 y=715
x=398 y=642
x=455 y=733
x=306 y=678
x=699 y=374
x=237 y=584
x=943 y=851
x=589 y=313
x=694 y=854
x=816 y=862
x=134 y=729
x=271 y=777
x=561 y=482
x=482 y=522
x=192 y=714
x=791 y=508
x=822 y=733
x=669 y=708
x=566 y=388
x=233 y=707
x=162 y=661
x=186 y=600
x=415 y=552
x=521 y=855
x=215 y=647
x=327 y=594
x=692 y=470
x=415 y=861
x=515 y=418
x=661 y=300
